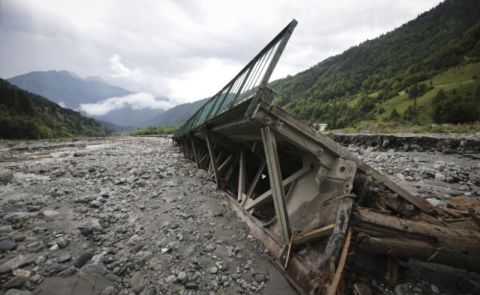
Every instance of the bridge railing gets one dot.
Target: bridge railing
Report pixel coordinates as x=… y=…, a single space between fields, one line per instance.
x=244 y=85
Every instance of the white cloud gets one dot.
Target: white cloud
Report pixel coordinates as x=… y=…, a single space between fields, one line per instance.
x=183 y=49
x=137 y=101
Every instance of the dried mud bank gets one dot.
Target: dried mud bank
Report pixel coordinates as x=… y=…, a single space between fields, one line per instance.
x=121 y=216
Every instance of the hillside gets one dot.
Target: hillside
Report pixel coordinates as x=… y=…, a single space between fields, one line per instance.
x=176 y=115
x=24 y=115
x=71 y=90
x=67 y=88
x=440 y=49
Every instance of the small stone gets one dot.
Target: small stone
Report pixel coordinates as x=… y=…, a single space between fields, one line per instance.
x=259 y=277
x=5 y=229
x=137 y=282
x=83 y=259
x=95 y=204
x=440 y=176
x=94 y=269
x=86 y=230
x=19 y=272
x=434 y=289
x=182 y=276
x=62 y=242
x=17 y=292
x=51 y=269
x=134 y=240
x=64 y=258
x=171 y=279
x=71 y=270
x=5 y=176
x=15 y=282
x=7 y=244
x=37 y=279
x=214 y=270
x=150 y=291
x=50 y=213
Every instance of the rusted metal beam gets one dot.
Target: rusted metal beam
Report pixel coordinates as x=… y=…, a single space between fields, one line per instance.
x=212 y=158
x=275 y=177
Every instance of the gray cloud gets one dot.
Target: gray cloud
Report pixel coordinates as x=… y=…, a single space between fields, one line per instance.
x=184 y=50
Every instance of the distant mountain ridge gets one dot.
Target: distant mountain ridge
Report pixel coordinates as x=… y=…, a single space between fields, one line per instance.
x=71 y=90
x=66 y=87
x=176 y=115
x=24 y=115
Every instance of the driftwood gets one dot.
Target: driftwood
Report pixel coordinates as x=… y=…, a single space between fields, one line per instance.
x=388 y=235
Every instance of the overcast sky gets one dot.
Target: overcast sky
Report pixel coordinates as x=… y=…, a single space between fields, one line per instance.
x=183 y=50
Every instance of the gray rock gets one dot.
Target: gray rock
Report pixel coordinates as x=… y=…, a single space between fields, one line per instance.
x=83 y=259
x=6 y=229
x=260 y=277
x=94 y=269
x=95 y=204
x=64 y=258
x=62 y=242
x=51 y=269
x=171 y=279
x=150 y=291
x=71 y=270
x=182 y=276
x=137 y=282
x=37 y=279
x=86 y=230
x=214 y=270
x=7 y=244
x=440 y=176
x=5 y=176
x=18 y=216
x=15 y=282
x=18 y=292
x=17 y=262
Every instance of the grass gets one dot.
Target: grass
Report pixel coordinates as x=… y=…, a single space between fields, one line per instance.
x=152 y=130
x=463 y=79
x=402 y=127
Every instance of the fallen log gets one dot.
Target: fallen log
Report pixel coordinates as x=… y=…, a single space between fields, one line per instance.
x=388 y=235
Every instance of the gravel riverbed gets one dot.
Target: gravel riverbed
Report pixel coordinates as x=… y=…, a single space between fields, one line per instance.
x=127 y=215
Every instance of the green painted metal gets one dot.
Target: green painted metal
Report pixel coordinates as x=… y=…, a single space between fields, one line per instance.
x=244 y=85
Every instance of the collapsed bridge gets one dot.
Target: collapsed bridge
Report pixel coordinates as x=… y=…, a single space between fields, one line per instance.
x=315 y=206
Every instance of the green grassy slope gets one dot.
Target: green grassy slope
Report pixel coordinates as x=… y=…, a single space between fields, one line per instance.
x=440 y=49
x=24 y=115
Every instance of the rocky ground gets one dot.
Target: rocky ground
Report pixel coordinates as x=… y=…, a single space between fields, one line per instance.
x=433 y=175
x=121 y=216
x=131 y=216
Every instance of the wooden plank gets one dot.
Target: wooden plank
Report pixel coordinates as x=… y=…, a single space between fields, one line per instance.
x=341 y=264
x=315 y=234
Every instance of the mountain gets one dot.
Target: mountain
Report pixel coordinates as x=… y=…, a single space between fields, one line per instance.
x=24 y=115
x=70 y=90
x=176 y=115
x=378 y=79
x=67 y=88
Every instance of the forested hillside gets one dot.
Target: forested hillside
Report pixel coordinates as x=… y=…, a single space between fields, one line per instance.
x=24 y=115
x=426 y=71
